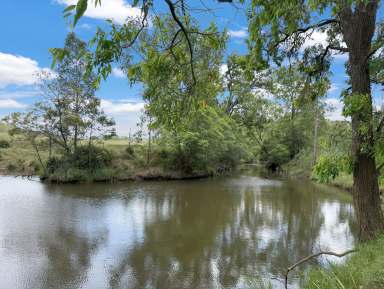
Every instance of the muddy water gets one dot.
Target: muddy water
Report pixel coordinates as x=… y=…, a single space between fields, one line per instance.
x=213 y=233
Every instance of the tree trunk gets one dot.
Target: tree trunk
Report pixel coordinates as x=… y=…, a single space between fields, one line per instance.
x=315 y=133
x=358 y=27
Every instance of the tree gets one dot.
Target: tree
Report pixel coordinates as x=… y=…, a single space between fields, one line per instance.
x=70 y=112
x=279 y=28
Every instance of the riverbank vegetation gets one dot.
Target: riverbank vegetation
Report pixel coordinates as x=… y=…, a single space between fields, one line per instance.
x=364 y=269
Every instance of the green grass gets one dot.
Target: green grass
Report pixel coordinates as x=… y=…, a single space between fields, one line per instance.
x=363 y=270
x=343 y=181
x=20 y=159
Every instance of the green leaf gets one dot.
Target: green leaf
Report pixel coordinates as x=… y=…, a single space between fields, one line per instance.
x=81 y=7
x=69 y=8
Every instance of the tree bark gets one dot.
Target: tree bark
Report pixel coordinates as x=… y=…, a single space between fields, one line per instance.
x=358 y=27
x=315 y=133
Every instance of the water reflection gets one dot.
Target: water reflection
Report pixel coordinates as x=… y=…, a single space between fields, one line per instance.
x=216 y=233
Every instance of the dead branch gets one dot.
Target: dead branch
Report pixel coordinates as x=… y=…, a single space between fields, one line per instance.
x=290 y=268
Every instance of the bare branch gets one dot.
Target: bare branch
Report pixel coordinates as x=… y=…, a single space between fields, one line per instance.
x=186 y=35
x=305 y=29
x=143 y=24
x=314 y=256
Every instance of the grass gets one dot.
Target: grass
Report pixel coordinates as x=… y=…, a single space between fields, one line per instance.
x=343 y=181
x=363 y=270
x=19 y=157
x=127 y=164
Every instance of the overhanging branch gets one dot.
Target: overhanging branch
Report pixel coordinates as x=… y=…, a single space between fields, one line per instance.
x=183 y=29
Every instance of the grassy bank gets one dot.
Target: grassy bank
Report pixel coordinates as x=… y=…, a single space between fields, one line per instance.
x=363 y=270
x=128 y=161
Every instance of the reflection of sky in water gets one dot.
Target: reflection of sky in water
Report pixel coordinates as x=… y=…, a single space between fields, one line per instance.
x=335 y=234
x=215 y=233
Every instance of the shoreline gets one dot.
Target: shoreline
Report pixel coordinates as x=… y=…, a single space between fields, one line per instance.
x=138 y=177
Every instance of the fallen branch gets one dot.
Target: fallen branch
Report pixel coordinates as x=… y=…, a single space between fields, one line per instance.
x=311 y=257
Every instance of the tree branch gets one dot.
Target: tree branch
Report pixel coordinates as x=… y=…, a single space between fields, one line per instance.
x=289 y=269
x=305 y=29
x=143 y=24
x=185 y=32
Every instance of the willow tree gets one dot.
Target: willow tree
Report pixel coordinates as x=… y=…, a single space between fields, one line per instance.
x=279 y=29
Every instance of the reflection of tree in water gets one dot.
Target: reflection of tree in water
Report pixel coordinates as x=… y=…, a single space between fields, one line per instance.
x=176 y=252
x=281 y=226
x=215 y=237
x=68 y=244
x=69 y=257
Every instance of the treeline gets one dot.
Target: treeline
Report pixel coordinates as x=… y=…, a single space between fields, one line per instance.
x=193 y=125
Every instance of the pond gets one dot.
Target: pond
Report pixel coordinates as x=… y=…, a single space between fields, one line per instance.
x=212 y=233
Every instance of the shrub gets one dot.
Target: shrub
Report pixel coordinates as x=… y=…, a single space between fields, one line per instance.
x=130 y=151
x=207 y=142
x=89 y=158
x=327 y=168
x=4 y=144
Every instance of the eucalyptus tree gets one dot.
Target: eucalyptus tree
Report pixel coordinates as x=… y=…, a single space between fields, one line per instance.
x=69 y=112
x=299 y=95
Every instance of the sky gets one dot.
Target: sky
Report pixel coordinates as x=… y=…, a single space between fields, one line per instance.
x=30 y=28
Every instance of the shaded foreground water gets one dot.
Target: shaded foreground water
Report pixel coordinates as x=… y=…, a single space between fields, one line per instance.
x=213 y=233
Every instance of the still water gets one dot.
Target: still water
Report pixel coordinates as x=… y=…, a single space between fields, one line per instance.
x=212 y=233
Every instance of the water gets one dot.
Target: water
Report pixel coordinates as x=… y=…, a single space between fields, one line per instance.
x=213 y=233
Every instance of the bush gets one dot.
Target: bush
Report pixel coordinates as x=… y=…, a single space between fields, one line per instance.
x=88 y=158
x=91 y=158
x=327 y=168
x=207 y=142
x=130 y=151
x=4 y=144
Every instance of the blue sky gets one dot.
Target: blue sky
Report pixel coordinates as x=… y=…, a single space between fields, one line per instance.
x=30 y=28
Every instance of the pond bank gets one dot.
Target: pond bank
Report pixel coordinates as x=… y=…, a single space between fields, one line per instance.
x=108 y=177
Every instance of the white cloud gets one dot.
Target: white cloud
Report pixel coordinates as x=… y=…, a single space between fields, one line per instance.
x=119 y=108
x=333 y=88
x=4 y=94
x=317 y=37
x=85 y=26
x=223 y=69
x=18 y=70
x=320 y=37
x=117 y=10
x=117 y=72
x=11 y=103
x=241 y=33
x=335 y=109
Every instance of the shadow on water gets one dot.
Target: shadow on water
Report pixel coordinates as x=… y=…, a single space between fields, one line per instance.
x=213 y=233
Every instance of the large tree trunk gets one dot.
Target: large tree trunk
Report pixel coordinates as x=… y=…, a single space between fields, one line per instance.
x=358 y=28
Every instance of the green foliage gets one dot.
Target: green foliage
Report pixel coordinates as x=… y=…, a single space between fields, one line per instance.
x=364 y=270
x=357 y=104
x=206 y=142
x=90 y=158
x=4 y=144
x=326 y=169
x=70 y=112
x=130 y=151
